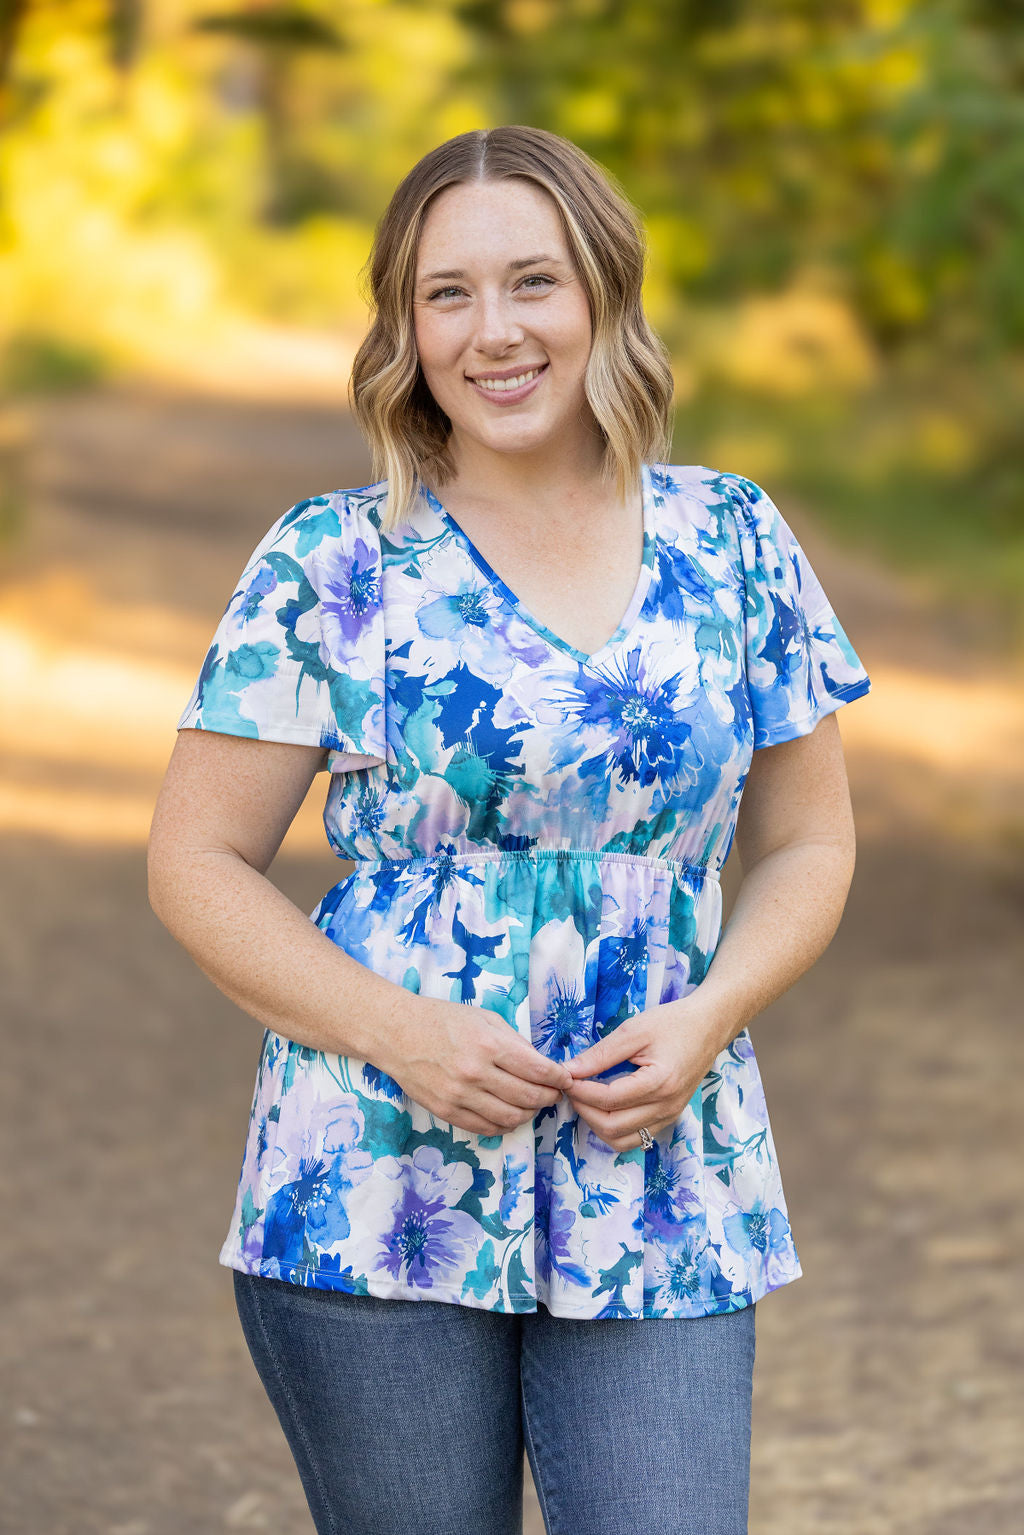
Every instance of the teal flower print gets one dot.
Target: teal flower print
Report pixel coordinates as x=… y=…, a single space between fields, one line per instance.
x=759 y=1230
x=537 y=834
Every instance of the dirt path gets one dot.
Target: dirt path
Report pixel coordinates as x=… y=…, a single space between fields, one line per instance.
x=887 y=1391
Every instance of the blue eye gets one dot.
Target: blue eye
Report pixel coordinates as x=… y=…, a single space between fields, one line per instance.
x=534 y=277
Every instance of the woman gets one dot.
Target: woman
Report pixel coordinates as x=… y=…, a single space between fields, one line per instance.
x=509 y=1171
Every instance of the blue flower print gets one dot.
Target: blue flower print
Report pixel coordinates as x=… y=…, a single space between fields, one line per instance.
x=468 y=621
x=564 y=1025
x=259 y=588
x=672 y=1174
x=285 y=1222
x=683 y=1275
x=554 y=1219
x=380 y=1082
x=680 y=582
x=644 y=735
x=759 y=1230
x=514 y=1187
x=308 y=1211
x=564 y=1028
x=537 y=834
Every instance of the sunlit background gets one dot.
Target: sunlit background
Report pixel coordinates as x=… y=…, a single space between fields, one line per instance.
x=834 y=201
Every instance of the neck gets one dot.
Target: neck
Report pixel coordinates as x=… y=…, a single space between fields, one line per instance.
x=555 y=476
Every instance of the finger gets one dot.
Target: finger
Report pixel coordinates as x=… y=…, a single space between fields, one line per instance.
x=525 y=1095
x=527 y=1063
x=486 y=1115
x=507 y=1116
x=627 y=1093
x=515 y=1052
x=613 y=1127
x=620 y=1045
x=474 y=1124
x=648 y=1115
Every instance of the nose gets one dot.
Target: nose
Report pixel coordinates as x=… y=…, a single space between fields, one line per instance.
x=497 y=326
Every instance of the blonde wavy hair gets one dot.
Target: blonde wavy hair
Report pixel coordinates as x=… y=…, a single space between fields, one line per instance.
x=628 y=379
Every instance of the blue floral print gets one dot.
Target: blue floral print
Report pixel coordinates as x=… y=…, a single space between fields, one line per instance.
x=538 y=831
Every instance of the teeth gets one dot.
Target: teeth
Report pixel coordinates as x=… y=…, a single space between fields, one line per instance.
x=501 y=385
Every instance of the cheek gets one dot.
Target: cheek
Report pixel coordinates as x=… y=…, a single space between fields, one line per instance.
x=438 y=344
x=569 y=326
x=422 y=332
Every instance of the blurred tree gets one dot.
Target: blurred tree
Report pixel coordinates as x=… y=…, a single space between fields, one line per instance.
x=834 y=195
x=276 y=33
x=12 y=14
x=943 y=246
x=883 y=142
x=125 y=28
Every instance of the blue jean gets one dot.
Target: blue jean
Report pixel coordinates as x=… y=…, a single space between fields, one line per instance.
x=410 y=1417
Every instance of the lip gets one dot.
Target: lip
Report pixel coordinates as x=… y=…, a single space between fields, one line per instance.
x=509 y=396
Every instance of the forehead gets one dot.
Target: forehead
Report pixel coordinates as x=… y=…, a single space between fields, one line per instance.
x=491 y=221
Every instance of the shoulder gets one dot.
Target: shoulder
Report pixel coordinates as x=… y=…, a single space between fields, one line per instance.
x=720 y=503
x=320 y=530
x=336 y=513
x=704 y=486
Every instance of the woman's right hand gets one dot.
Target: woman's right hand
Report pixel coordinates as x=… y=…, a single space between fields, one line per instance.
x=469 y=1067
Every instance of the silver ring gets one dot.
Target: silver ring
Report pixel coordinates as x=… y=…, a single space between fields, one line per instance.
x=646 y=1139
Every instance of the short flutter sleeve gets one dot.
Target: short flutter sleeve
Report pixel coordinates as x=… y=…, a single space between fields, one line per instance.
x=800 y=664
x=298 y=655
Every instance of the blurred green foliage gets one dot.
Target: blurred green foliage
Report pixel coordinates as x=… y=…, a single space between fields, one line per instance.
x=37 y=363
x=834 y=195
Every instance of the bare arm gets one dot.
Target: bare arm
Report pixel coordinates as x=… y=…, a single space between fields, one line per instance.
x=797 y=847
x=222 y=813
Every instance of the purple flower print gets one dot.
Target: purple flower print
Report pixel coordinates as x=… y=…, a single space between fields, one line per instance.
x=352 y=597
x=554 y=1219
x=674 y=1186
x=428 y=1240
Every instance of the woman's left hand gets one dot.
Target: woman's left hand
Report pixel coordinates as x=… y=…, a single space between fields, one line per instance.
x=673 y=1047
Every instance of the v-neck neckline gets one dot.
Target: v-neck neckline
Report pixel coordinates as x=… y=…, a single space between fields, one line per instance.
x=636 y=603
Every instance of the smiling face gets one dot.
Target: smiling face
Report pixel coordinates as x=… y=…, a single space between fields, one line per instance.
x=501 y=319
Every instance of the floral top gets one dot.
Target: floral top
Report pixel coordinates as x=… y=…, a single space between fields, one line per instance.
x=539 y=832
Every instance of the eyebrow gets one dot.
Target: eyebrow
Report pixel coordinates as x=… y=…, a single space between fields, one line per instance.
x=513 y=266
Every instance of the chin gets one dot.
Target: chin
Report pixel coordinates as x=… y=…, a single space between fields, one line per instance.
x=519 y=437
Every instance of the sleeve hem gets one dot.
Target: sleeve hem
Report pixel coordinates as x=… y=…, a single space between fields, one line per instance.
x=287 y=735
x=790 y=730
x=341 y=760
